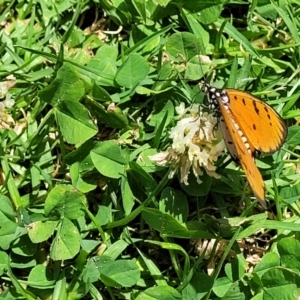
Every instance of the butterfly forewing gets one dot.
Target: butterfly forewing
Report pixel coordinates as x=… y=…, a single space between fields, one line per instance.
x=260 y=123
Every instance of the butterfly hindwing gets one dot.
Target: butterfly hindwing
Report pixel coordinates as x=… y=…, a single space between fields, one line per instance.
x=229 y=142
x=243 y=154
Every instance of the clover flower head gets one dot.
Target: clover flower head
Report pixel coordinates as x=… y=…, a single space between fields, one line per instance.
x=195 y=147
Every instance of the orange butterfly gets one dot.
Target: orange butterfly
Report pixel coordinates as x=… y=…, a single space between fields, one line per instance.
x=247 y=124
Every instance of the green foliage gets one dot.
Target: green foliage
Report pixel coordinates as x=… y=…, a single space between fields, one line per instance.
x=89 y=93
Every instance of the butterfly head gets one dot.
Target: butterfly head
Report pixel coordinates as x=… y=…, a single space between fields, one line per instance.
x=215 y=95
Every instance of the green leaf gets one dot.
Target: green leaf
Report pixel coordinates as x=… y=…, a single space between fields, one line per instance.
x=108 y=159
x=194 y=289
x=161 y=108
x=133 y=71
x=64 y=201
x=141 y=177
x=269 y=261
x=222 y=286
x=82 y=155
x=104 y=70
x=165 y=74
x=23 y=246
x=82 y=184
x=116 y=249
x=74 y=122
x=236 y=290
x=6 y=210
x=100 y=94
x=196 y=189
x=144 y=42
x=50 y=10
x=236 y=269
x=184 y=44
x=112 y=117
x=89 y=245
x=94 y=266
x=279 y=225
x=121 y=273
x=196 y=28
x=3 y=262
x=103 y=215
x=281 y=283
x=196 y=68
x=242 y=74
x=67 y=86
x=41 y=276
x=175 y=204
x=40 y=231
x=162 y=222
x=66 y=243
x=266 y=10
x=159 y=130
x=293 y=136
x=162 y=3
x=239 y=37
x=7 y=234
x=169 y=226
x=159 y=293
x=127 y=196
x=140 y=6
x=255 y=224
x=153 y=269
x=112 y=273
x=289 y=251
x=210 y=14
x=290 y=194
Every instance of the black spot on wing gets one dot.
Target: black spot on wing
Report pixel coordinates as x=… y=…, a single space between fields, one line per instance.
x=254 y=126
x=244 y=102
x=255 y=106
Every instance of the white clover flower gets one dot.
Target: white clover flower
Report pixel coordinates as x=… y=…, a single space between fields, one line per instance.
x=8 y=102
x=195 y=147
x=180 y=110
x=6 y=85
